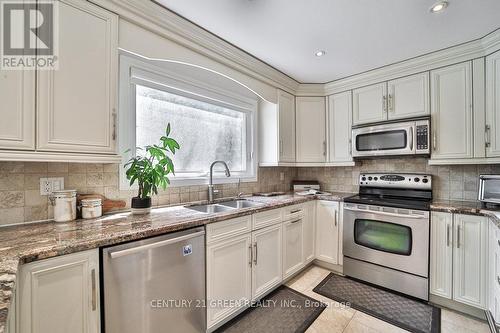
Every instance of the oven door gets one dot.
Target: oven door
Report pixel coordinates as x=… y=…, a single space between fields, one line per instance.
x=387 y=139
x=389 y=237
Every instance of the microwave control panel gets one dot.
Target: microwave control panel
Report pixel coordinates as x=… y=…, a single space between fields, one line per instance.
x=423 y=137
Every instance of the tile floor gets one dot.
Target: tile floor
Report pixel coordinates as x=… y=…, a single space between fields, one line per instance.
x=341 y=319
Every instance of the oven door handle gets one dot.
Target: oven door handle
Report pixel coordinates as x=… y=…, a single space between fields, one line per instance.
x=385 y=213
x=411 y=139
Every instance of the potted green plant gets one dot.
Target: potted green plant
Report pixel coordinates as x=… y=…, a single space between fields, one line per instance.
x=150 y=168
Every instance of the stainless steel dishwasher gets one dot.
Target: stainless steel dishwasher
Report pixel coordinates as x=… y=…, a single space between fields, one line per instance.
x=156 y=284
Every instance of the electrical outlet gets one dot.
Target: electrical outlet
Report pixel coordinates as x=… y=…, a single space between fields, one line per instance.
x=49 y=185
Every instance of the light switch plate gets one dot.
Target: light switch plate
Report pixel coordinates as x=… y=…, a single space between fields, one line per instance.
x=49 y=185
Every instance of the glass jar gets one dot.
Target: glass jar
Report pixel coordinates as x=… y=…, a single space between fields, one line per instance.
x=64 y=202
x=91 y=208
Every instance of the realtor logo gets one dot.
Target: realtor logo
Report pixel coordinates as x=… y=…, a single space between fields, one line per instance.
x=29 y=36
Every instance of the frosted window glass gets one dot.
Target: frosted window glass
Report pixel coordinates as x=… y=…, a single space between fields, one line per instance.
x=205 y=132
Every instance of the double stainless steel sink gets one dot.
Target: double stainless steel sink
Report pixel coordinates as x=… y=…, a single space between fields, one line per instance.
x=224 y=206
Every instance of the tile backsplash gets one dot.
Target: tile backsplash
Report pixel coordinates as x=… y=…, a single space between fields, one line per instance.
x=20 y=199
x=450 y=182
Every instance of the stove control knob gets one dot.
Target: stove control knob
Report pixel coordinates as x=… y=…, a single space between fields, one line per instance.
x=416 y=179
x=363 y=178
x=370 y=178
x=375 y=178
x=425 y=180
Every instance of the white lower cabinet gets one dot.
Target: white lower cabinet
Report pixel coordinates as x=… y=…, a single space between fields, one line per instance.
x=59 y=295
x=267 y=258
x=494 y=271
x=459 y=257
x=328 y=232
x=309 y=230
x=229 y=273
x=293 y=255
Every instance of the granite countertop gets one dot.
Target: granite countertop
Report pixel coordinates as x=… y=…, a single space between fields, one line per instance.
x=467 y=207
x=29 y=242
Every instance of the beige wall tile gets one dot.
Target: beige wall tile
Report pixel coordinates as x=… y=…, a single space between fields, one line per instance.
x=11 y=167
x=32 y=181
x=35 y=213
x=11 y=215
x=95 y=179
x=11 y=199
x=58 y=167
x=77 y=168
x=76 y=180
x=111 y=168
x=33 y=198
x=35 y=167
x=95 y=167
x=110 y=179
x=11 y=182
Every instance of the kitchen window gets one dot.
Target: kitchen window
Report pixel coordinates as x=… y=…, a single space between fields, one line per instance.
x=208 y=124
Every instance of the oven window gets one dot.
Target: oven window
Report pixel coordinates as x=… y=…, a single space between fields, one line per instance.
x=383 y=236
x=387 y=140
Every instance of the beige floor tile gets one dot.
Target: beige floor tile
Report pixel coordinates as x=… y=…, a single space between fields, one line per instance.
x=376 y=323
x=359 y=327
x=452 y=321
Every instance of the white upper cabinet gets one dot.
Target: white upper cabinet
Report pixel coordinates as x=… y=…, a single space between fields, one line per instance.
x=369 y=104
x=469 y=260
x=493 y=105
x=311 y=129
x=451 y=110
x=408 y=96
x=76 y=104
x=339 y=127
x=286 y=110
x=17 y=110
x=441 y=265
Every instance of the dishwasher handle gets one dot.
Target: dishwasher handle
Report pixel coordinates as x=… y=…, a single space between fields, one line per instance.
x=132 y=250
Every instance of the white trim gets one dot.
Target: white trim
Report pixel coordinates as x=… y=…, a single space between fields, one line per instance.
x=139 y=70
x=458 y=161
x=40 y=156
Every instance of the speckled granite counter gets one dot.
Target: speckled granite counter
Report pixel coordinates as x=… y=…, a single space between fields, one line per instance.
x=29 y=242
x=467 y=207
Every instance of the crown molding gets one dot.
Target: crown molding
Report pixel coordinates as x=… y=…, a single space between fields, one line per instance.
x=452 y=55
x=160 y=20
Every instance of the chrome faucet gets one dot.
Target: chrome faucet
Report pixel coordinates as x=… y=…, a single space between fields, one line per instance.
x=211 y=190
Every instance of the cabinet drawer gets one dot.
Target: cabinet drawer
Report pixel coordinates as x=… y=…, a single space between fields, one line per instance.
x=267 y=218
x=229 y=228
x=293 y=212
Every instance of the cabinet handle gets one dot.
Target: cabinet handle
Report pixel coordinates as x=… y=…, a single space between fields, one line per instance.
x=411 y=138
x=336 y=217
x=498 y=280
x=458 y=237
x=499 y=242
x=114 y=124
x=434 y=140
x=384 y=104
x=324 y=148
x=295 y=211
x=350 y=147
x=487 y=136
x=94 y=290
x=295 y=221
x=251 y=255
x=281 y=147
x=255 y=259
x=391 y=103
x=448 y=235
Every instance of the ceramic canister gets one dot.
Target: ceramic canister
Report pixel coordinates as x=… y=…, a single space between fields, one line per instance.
x=64 y=202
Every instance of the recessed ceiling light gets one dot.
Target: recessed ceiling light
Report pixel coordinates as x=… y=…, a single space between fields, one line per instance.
x=320 y=53
x=439 y=6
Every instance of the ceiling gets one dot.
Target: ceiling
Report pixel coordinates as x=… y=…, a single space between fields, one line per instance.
x=357 y=35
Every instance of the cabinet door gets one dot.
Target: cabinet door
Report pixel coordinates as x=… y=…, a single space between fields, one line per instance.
x=494 y=271
x=441 y=265
x=229 y=274
x=409 y=96
x=493 y=105
x=369 y=104
x=293 y=257
x=311 y=129
x=469 y=260
x=309 y=231
x=286 y=127
x=339 y=127
x=76 y=103
x=451 y=109
x=327 y=231
x=17 y=93
x=60 y=295
x=267 y=265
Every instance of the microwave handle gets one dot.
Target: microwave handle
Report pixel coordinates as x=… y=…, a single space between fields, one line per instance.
x=411 y=138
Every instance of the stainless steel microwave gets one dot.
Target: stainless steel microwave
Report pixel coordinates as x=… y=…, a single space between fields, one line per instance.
x=489 y=189
x=409 y=137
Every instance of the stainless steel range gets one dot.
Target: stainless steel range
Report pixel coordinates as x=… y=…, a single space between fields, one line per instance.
x=386 y=232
